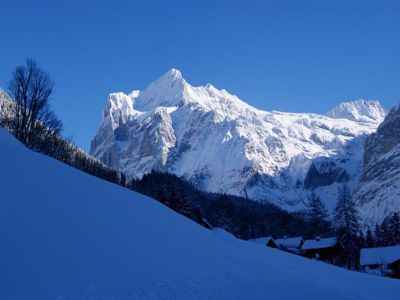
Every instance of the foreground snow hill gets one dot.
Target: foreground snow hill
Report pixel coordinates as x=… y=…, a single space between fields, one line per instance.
x=67 y=235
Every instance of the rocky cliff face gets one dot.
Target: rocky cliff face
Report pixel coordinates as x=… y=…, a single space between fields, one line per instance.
x=221 y=144
x=378 y=192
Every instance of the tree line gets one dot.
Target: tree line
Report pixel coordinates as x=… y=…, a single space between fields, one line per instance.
x=244 y=218
x=384 y=234
x=351 y=236
x=28 y=116
x=345 y=226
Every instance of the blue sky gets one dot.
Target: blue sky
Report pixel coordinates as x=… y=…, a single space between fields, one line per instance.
x=301 y=56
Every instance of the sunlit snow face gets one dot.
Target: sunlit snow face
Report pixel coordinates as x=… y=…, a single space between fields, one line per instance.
x=228 y=145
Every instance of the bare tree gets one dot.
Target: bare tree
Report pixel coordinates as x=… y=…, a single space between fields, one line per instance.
x=34 y=123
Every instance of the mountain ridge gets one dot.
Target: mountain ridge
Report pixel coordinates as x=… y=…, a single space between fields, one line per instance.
x=222 y=144
x=359 y=110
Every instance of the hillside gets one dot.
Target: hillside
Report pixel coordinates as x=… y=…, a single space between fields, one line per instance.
x=67 y=235
x=221 y=144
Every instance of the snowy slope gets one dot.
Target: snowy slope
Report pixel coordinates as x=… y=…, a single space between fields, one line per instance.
x=221 y=144
x=67 y=235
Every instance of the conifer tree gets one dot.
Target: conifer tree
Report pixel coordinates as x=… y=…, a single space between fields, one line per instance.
x=378 y=236
x=386 y=234
x=361 y=239
x=347 y=227
x=369 y=239
x=317 y=216
x=395 y=226
x=393 y=230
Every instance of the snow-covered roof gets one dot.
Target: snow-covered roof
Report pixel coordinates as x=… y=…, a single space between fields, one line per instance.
x=292 y=242
x=319 y=243
x=263 y=240
x=380 y=256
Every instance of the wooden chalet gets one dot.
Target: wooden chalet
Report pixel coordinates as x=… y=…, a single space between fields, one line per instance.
x=320 y=248
x=383 y=260
x=291 y=244
x=267 y=241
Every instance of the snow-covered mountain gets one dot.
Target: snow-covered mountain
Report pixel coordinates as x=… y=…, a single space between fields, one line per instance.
x=67 y=235
x=378 y=192
x=6 y=106
x=359 y=110
x=221 y=144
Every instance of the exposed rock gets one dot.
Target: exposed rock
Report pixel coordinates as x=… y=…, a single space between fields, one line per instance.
x=378 y=192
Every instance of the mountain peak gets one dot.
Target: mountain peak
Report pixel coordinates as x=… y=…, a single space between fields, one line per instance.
x=368 y=111
x=168 y=79
x=167 y=90
x=172 y=75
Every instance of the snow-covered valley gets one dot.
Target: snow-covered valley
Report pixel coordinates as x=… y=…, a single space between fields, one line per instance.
x=68 y=235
